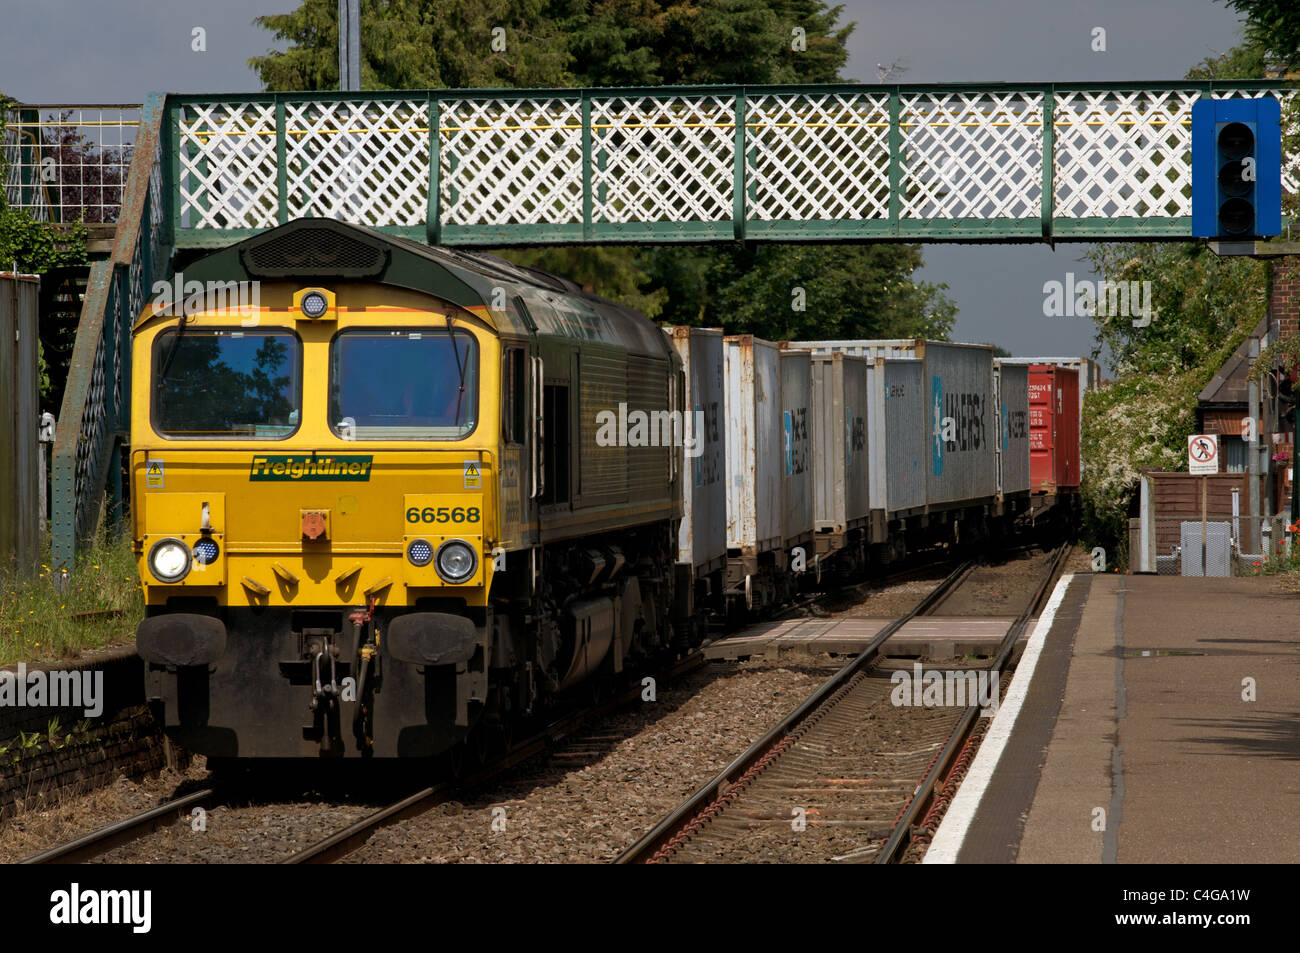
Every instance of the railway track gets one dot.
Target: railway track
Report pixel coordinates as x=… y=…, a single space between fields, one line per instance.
x=838 y=776
x=343 y=842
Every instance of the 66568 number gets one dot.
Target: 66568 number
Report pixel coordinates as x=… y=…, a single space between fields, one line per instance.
x=443 y=514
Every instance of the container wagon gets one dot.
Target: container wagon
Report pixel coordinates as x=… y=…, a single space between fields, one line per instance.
x=755 y=466
x=702 y=535
x=931 y=433
x=842 y=503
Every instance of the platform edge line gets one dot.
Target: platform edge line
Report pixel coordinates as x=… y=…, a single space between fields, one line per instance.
x=951 y=835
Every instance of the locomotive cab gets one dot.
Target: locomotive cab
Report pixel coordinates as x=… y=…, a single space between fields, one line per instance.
x=330 y=478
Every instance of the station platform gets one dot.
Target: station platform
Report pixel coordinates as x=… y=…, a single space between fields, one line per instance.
x=1130 y=733
x=929 y=636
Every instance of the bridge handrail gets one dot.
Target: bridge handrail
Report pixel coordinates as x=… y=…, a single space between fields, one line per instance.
x=95 y=417
x=962 y=162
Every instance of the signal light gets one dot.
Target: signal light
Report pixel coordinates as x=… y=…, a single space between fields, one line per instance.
x=1236 y=168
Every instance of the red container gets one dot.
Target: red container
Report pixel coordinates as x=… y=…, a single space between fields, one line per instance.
x=1053 y=428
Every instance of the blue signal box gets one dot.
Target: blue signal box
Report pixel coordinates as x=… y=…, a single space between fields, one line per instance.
x=1236 y=168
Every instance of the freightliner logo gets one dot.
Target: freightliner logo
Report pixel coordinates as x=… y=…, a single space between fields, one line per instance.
x=293 y=468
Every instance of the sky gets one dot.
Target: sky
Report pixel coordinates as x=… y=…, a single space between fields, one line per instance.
x=72 y=51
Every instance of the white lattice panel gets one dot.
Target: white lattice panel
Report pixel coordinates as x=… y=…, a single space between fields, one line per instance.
x=228 y=166
x=364 y=162
x=971 y=155
x=511 y=162
x=1124 y=153
x=817 y=157
x=663 y=158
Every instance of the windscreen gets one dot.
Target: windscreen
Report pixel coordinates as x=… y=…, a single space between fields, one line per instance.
x=403 y=384
x=227 y=383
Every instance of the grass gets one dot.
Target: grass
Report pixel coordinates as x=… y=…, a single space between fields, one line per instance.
x=40 y=617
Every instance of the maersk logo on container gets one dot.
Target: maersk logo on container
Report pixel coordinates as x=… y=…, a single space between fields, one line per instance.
x=180 y=298
x=1098 y=299
x=657 y=428
x=936 y=388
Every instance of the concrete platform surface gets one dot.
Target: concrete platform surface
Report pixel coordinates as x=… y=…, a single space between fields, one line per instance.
x=933 y=636
x=1162 y=726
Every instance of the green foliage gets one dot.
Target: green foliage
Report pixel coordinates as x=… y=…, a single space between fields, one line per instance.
x=1274 y=27
x=1198 y=299
x=418 y=44
x=854 y=291
x=45 y=619
x=1204 y=307
x=858 y=291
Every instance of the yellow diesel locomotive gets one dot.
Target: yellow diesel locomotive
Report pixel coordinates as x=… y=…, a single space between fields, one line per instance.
x=372 y=514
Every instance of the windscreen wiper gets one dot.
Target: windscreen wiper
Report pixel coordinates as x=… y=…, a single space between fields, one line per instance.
x=460 y=368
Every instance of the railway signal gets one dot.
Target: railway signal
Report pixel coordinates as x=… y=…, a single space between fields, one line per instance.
x=1236 y=168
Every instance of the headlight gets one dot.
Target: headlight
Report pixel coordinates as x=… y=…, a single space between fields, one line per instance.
x=206 y=552
x=420 y=553
x=169 y=560
x=314 y=304
x=456 y=561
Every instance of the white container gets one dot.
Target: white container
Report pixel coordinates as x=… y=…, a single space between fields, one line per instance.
x=896 y=440
x=839 y=404
x=702 y=536
x=754 y=458
x=798 y=462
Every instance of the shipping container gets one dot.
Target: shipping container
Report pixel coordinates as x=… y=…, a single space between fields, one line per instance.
x=1089 y=373
x=839 y=407
x=702 y=536
x=957 y=421
x=798 y=462
x=1053 y=428
x=753 y=457
x=19 y=503
x=958 y=381
x=1013 y=449
x=896 y=439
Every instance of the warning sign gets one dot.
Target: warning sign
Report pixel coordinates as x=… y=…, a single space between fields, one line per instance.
x=1203 y=453
x=154 y=471
x=473 y=475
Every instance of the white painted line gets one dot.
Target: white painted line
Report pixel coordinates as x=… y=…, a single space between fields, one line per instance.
x=951 y=834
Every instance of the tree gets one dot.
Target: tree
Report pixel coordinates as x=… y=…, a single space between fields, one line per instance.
x=418 y=44
x=862 y=290
x=1273 y=27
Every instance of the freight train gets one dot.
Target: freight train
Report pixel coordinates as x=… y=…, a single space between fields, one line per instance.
x=418 y=493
